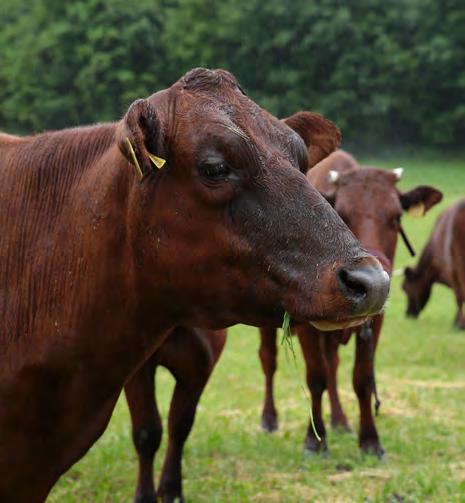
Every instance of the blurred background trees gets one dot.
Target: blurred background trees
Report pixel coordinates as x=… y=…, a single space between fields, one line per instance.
x=385 y=72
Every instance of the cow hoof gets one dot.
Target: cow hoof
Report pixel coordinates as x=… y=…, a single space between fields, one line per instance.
x=314 y=446
x=145 y=498
x=373 y=447
x=270 y=423
x=171 y=498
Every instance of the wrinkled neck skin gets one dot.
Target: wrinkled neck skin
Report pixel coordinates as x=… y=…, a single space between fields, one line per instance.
x=92 y=268
x=74 y=325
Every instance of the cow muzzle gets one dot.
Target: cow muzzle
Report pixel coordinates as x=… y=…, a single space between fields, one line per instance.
x=366 y=287
x=363 y=287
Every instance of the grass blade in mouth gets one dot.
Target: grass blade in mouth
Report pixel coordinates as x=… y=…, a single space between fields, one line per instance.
x=286 y=341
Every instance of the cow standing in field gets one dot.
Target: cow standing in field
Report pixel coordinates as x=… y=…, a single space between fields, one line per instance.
x=441 y=261
x=102 y=254
x=369 y=202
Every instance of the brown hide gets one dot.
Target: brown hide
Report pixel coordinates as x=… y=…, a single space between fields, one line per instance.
x=7 y=139
x=96 y=264
x=442 y=261
x=339 y=161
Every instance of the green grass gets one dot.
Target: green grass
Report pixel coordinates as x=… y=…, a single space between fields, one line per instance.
x=421 y=379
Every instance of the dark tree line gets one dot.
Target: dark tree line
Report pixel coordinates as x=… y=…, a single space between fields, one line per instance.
x=385 y=71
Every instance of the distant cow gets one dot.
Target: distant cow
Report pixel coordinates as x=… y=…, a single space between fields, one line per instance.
x=369 y=202
x=102 y=253
x=442 y=261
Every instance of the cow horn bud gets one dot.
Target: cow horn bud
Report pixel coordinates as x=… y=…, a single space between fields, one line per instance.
x=398 y=172
x=333 y=176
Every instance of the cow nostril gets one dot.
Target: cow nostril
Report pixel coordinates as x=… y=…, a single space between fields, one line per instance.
x=353 y=284
x=365 y=287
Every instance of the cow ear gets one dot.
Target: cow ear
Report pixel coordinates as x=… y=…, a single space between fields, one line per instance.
x=419 y=200
x=408 y=273
x=138 y=136
x=320 y=135
x=330 y=197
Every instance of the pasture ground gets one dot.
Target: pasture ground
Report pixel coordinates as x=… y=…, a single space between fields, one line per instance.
x=421 y=379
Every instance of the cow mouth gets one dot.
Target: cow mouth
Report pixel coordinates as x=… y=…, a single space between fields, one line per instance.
x=329 y=325
x=326 y=324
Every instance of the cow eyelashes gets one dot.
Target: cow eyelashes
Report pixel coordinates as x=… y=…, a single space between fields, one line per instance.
x=216 y=171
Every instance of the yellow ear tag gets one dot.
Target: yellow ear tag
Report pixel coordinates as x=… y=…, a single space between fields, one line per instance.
x=134 y=158
x=417 y=211
x=158 y=161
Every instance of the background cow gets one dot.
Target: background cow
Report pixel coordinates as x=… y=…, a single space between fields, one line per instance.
x=98 y=263
x=368 y=200
x=442 y=261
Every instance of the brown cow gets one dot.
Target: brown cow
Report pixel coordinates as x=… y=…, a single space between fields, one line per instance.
x=97 y=264
x=339 y=161
x=190 y=355
x=369 y=202
x=442 y=261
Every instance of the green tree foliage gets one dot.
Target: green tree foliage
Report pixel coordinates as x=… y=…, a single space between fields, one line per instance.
x=384 y=71
x=66 y=63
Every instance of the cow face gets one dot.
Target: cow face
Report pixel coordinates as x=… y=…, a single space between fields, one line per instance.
x=418 y=290
x=371 y=205
x=229 y=229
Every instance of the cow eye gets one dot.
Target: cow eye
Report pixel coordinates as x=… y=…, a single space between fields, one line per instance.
x=215 y=171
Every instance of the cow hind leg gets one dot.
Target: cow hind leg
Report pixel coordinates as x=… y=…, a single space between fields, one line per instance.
x=458 y=259
x=338 y=417
x=146 y=428
x=312 y=350
x=363 y=386
x=268 y=357
x=460 y=298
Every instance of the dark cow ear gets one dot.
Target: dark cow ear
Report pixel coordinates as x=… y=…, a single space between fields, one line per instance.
x=420 y=199
x=138 y=136
x=408 y=273
x=319 y=134
x=330 y=197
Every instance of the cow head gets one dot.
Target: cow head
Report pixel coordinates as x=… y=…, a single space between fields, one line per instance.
x=229 y=229
x=418 y=289
x=371 y=205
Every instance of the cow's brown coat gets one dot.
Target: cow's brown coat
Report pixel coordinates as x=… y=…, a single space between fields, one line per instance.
x=442 y=261
x=96 y=266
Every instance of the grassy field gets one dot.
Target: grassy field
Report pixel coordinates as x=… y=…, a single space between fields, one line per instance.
x=421 y=379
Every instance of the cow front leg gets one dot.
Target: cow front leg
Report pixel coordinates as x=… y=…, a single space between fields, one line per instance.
x=181 y=419
x=191 y=372
x=363 y=380
x=268 y=359
x=338 y=417
x=146 y=428
x=309 y=339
